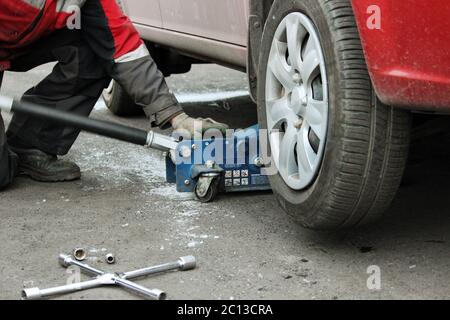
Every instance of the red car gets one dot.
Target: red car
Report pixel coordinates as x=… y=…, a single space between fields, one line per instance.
x=334 y=80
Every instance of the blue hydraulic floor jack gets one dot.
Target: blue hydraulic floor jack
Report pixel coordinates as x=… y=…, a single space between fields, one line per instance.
x=206 y=167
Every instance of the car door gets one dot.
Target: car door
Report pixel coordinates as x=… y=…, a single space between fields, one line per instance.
x=223 y=20
x=147 y=12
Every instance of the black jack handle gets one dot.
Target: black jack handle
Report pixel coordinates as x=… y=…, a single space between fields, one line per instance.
x=120 y=132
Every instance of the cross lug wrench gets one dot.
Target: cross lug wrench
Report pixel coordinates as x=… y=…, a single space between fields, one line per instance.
x=119 y=279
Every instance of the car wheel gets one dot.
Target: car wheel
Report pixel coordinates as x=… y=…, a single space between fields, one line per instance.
x=339 y=152
x=119 y=102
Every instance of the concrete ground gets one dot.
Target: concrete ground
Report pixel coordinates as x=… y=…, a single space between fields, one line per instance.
x=246 y=246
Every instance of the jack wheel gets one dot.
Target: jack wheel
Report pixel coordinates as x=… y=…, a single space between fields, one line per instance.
x=207 y=189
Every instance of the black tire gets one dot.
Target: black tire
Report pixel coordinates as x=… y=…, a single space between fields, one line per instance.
x=119 y=102
x=368 y=142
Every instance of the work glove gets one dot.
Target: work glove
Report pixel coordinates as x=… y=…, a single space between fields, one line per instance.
x=196 y=126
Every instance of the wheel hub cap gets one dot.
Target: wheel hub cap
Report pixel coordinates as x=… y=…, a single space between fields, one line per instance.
x=297 y=101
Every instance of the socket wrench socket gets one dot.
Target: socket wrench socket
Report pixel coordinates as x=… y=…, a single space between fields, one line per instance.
x=79 y=254
x=31 y=294
x=110 y=258
x=187 y=263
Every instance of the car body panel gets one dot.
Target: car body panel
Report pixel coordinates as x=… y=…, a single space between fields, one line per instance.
x=214 y=19
x=409 y=57
x=227 y=54
x=146 y=12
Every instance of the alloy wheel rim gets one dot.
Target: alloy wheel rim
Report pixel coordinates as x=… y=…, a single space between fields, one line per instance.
x=297 y=101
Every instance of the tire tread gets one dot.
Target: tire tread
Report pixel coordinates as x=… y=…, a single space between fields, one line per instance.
x=374 y=145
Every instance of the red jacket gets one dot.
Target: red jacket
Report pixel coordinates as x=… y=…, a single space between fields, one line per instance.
x=23 y=22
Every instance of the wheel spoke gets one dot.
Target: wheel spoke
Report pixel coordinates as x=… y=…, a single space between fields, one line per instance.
x=310 y=64
x=315 y=115
x=309 y=47
x=305 y=153
x=279 y=67
x=279 y=111
x=287 y=162
x=294 y=34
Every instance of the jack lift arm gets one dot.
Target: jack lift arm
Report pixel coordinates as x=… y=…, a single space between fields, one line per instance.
x=205 y=167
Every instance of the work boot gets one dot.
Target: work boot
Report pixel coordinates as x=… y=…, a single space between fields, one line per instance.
x=196 y=125
x=44 y=167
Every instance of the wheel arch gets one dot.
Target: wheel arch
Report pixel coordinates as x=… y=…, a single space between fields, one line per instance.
x=259 y=13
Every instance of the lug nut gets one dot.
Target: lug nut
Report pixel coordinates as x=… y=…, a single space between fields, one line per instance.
x=296 y=77
x=79 y=254
x=305 y=101
x=298 y=124
x=110 y=258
